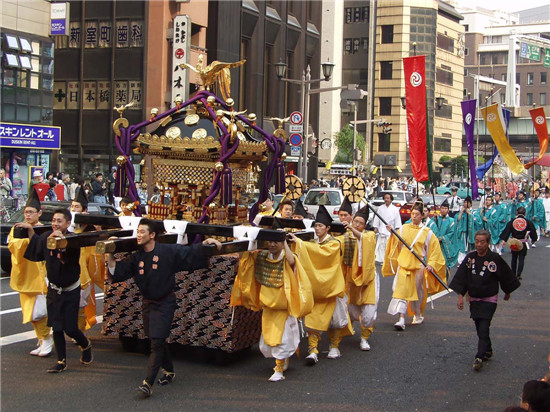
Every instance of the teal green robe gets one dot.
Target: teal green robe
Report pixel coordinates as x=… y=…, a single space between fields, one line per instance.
x=445 y=230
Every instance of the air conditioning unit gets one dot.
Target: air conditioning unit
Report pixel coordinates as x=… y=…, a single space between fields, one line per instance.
x=391 y=160
x=379 y=160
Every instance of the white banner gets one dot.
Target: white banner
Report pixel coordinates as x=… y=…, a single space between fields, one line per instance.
x=180 y=54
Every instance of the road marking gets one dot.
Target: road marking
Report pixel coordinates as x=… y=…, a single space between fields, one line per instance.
x=8 y=294
x=5 y=277
x=98 y=296
x=21 y=337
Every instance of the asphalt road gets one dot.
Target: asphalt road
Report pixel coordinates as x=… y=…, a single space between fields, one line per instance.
x=425 y=368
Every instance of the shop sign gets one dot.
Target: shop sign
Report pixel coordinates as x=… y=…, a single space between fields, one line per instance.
x=180 y=54
x=26 y=136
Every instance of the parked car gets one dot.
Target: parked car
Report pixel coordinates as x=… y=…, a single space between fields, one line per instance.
x=462 y=192
x=46 y=218
x=331 y=197
x=427 y=199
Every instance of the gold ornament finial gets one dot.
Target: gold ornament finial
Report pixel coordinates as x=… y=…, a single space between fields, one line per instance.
x=215 y=72
x=252 y=117
x=121 y=160
x=154 y=111
x=218 y=166
x=120 y=109
x=230 y=102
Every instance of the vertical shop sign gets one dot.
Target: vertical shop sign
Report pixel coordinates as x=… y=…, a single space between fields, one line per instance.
x=136 y=33
x=105 y=34
x=91 y=34
x=89 y=99
x=135 y=94
x=121 y=93
x=104 y=95
x=75 y=35
x=122 y=33
x=180 y=54
x=73 y=95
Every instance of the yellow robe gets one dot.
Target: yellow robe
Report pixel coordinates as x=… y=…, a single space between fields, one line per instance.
x=362 y=288
x=399 y=260
x=323 y=264
x=88 y=262
x=293 y=298
x=28 y=278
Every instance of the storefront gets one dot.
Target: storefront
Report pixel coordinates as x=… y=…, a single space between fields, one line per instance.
x=26 y=148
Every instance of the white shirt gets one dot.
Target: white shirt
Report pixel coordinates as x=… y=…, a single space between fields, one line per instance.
x=454 y=204
x=546 y=203
x=391 y=215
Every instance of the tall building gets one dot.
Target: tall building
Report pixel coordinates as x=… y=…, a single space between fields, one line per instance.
x=27 y=90
x=422 y=27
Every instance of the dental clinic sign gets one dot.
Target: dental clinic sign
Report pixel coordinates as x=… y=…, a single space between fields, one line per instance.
x=27 y=136
x=59 y=19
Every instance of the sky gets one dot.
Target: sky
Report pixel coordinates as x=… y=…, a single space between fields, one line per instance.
x=505 y=5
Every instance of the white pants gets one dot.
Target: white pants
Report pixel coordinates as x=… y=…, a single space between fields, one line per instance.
x=400 y=305
x=289 y=343
x=380 y=251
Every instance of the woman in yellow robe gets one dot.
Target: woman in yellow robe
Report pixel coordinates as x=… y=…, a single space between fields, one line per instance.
x=363 y=281
x=413 y=282
x=322 y=261
x=275 y=282
x=29 y=279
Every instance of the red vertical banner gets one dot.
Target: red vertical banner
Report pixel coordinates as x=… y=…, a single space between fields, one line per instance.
x=541 y=127
x=415 y=95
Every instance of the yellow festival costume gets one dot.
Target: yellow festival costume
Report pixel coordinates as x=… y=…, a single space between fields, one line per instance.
x=89 y=269
x=399 y=260
x=362 y=283
x=279 y=293
x=323 y=264
x=29 y=279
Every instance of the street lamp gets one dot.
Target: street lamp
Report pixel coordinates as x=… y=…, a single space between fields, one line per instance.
x=305 y=82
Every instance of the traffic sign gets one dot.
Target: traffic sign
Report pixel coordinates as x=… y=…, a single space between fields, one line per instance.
x=296 y=118
x=296 y=128
x=295 y=139
x=295 y=150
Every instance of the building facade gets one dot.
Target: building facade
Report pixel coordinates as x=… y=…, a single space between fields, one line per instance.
x=407 y=28
x=27 y=80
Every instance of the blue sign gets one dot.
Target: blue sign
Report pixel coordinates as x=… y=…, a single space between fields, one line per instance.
x=58 y=27
x=295 y=139
x=27 y=136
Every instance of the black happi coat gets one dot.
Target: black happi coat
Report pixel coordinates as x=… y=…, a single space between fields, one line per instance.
x=154 y=272
x=497 y=273
x=62 y=266
x=519 y=228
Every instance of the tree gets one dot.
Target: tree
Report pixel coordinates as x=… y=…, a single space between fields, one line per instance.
x=344 y=142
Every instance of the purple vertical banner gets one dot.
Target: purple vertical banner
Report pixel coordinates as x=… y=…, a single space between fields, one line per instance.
x=468 y=118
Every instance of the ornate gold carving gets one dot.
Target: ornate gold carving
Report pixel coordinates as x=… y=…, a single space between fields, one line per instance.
x=121 y=121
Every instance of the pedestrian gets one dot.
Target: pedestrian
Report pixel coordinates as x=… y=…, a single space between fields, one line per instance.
x=153 y=268
x=29 y=279
x=63 y=272
x=390 y=214
x=454 y=202
x=520 y=229
x=480 y=274
x=363 y=282
x=536 y=214
x=50 y=194
x=444 y=228
x=99 y=189
x=67 y=191
x=275 y=282
x=321 y=260
x=6 y=185
x=410 y=283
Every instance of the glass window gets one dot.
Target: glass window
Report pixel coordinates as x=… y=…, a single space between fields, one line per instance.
x=47 y=66
x=445 y=43
x=387 y=33
x=9 y=77
x=22 y=79
x=25 y=45
x=482 y=58
x=34 y=114
x=34 y=98
x=530 y=79
x=36 y=47
x=47 y=49
x=529 y=99
x=35 y=81
x=444 y=76
x=543 y=77
x=11 y=60
x=543 y=99
x=386 y=70
x=384 y=142
x=8 y=112
x=12 y=42
x=518 y=78
x=35 y=62
x=442 y=145
x=503 y=77
x=385 y=106
x=47 y=83
x=25 y=62
x=22 y=114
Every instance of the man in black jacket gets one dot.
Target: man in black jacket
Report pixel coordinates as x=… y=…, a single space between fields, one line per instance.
x=153 y=268
x=63 y=271
x=520 y=228
x=480 y=274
